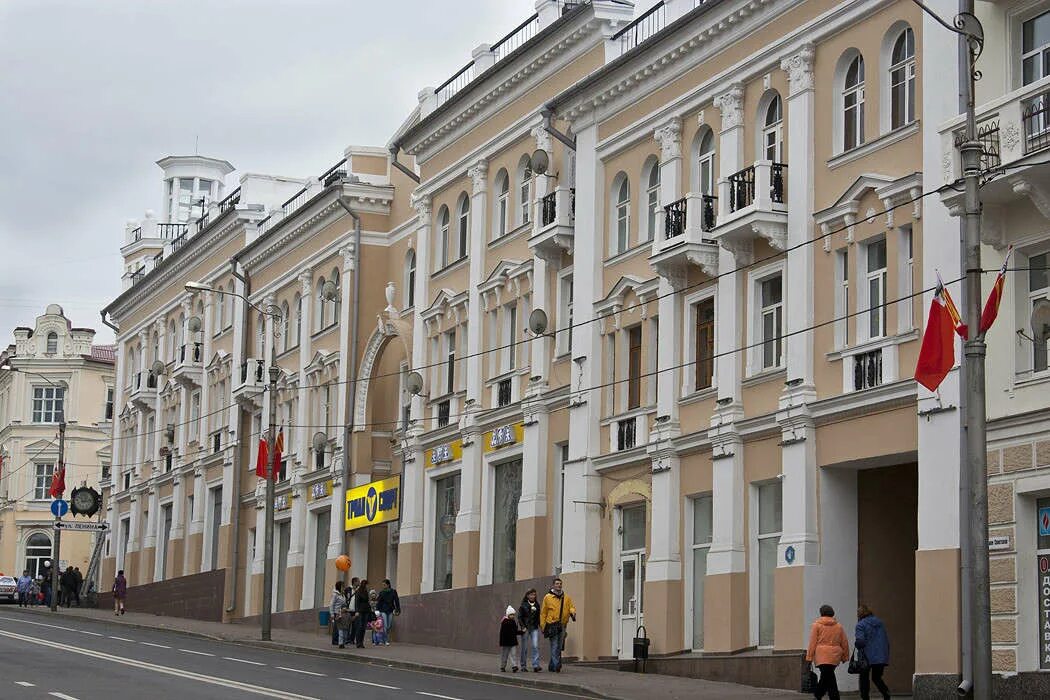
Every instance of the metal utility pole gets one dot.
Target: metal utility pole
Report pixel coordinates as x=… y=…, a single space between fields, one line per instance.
x=971 y=36
x=271 y=474
x=57 y=553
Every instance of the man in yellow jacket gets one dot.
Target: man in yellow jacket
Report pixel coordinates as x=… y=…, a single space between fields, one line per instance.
x=555 y=612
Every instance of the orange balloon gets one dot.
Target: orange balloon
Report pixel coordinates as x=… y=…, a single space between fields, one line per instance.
x=342 y=562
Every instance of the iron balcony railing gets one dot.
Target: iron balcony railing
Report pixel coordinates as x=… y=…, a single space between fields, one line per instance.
x=136 y=234
x=137 y=275
x=232 y=200
x=178 y=242
x=867 y=370
x=674 y=219
x=334 y=174
x=626 y=433
x=516 y=38
x=709 y=215
x=1036 y=120
x=503 y=393
x=170 y=230
x=444 y=413
x=742 y=186
x=190 y=352
x=643 y=28
x=549 y=208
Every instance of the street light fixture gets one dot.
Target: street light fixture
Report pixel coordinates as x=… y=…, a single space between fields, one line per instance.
x=56 y=558
x=275 y=315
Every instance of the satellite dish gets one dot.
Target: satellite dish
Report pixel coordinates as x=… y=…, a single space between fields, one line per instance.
x=157 y=368
x=320 y=440
x=540 y=161
x=194 y=324
x=414 y=383
x=1041 y=320
x=329 y=291
x=538 y=321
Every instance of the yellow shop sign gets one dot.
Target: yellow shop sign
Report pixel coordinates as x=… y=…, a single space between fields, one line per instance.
x=373 y=503
x=504 y=436
x=440 y=454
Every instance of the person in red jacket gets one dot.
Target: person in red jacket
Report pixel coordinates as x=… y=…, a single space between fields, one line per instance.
x=828 y=648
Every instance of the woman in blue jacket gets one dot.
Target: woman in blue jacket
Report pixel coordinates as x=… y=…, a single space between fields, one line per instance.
x=871 y=639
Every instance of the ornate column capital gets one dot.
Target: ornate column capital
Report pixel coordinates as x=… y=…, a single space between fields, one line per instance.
x=669 y=136
x=731 y=105
x=542 y=137
x=479 y=174
x=306 y=282
x=423 y=205
x=349 y=253
x=799 y=69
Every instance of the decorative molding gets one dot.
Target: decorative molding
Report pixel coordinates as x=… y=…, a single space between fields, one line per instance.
x=799 y=69
x=542 y=138
x=479 y=174
x=1035 y=192
x=669 y=136
x=349 y=254
x=743 y=250
x=731 y=105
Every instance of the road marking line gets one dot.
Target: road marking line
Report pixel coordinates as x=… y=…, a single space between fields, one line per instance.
x=295 y=670
x=435 y=695
x=157 y=668
x=198 y=653
x=56 y=627
x=93 y=634
x=63 y=696
x=375 y=685
x=151 y=644
x=122 y=639
x=244 y=661
x=24 y=684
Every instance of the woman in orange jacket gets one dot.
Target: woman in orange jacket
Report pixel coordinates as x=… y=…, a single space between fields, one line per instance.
x=828 y=648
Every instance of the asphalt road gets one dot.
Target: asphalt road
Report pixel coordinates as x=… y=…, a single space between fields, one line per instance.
x=90 y=660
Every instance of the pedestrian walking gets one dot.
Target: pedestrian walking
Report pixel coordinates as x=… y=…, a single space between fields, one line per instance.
x=120 y=593
x=78 y=583
x=529 y=621
x=24 y=586
x=388 y=606
x=362 y=614
x=67 y=581
x=827 y=649
x=873 y=643
x=336 y=609
x=508 y=640
x=555 y=612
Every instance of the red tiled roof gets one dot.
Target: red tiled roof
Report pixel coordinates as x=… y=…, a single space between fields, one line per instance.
x=104 y=353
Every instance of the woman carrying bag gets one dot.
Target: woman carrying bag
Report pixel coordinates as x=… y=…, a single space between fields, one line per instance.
x=828 y=648
x=872 y=655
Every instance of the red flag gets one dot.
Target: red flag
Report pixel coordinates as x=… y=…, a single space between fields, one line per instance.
x=277 y=453
x=952 y=309
x=261 y=460
x=991 y=307
x=937 y=353
x=58 y=483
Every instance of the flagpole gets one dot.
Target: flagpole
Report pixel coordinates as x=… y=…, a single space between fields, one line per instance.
x=58 y=519
x=271 y=474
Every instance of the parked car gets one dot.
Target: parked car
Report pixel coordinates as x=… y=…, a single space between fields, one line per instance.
x=8 y=588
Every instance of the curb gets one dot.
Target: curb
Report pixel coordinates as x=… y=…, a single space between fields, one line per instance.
x=501 y=679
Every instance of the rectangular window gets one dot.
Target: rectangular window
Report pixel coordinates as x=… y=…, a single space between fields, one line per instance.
x=842 y=300
x=44 y=472
x=195 y=415
x=705 y=344
x=702 y=530
x=322 y=525
x=1038 y=292
x=127 y=480
x=1035 y=48
x=505 y=520
x=512 y=335
x=634 y=367
x=151 y=437
x=772 y=318
x=446 y=493
x=162 y=546
x=770 y=518
x=108 y=414
x=450 y=363
x=48 y=404
x=216 y=523
x=558 y=530
x=565 y=317
x=876 y=280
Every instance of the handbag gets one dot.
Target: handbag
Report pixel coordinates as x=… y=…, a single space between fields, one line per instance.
x=857 y=663
x=809 y=680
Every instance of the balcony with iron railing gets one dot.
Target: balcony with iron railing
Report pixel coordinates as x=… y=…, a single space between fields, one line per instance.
x=313 y=187
x=683 y=236
x=555 y=223
x=144 y=389
x=251 y=381
x=189 y=364
x=752 y=204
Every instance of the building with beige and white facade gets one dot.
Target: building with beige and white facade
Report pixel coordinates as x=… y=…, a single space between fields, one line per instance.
x=718 y=430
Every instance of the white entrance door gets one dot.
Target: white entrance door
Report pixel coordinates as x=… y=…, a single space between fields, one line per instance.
x=630 y=578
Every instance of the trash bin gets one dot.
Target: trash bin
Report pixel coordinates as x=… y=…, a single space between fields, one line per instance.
x=323 y=617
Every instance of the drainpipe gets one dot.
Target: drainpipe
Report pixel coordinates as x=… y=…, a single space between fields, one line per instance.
x=397 y=164
x=106 y=322
x=235 y=515
x=351 y=389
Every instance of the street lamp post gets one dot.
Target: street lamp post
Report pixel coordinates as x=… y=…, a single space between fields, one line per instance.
x=56 y=552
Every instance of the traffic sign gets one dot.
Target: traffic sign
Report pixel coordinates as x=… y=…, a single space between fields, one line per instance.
x=73 y=525
x=59 y=507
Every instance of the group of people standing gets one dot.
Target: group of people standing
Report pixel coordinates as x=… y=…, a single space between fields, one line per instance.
x=354 y=609
x=533 y=618
x=828 y=647
x=37 y=590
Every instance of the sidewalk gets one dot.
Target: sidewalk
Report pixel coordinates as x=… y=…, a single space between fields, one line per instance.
x=579 y=680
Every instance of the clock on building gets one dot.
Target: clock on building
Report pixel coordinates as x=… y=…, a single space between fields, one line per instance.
x=84 y=500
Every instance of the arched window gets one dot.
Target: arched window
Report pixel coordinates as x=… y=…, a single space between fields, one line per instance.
x=902 y=80
x=337 y=303
x=773 y=130
x=298 y=318
x=443 y=238
x=173 y=341
x=285 y=327
x=260 y=337
x=652 y=198
x=853 y=104
x=410 y=279
x=38 y=550
x=322 y=306
x=155 y=348
x=706 y=163
x=52 y=343
x=524 y=189
x=180 y=335
x=132 y=367
x=621 y=213
x=502 y=226
x=463 y=224
x=220 y=308
x=230 y=311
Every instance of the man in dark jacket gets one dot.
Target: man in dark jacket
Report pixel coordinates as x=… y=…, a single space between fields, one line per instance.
x=388 y=606
x=67 y=581
x=78 y=583
x=362 y=614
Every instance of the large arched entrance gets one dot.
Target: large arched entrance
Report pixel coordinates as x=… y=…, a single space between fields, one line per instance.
x=38 y=550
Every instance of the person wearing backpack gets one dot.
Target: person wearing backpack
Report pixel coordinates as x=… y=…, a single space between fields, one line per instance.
x=555 y=613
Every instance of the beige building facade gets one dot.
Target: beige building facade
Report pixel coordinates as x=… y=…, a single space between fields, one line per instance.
x=56 y=374
x=732 y=232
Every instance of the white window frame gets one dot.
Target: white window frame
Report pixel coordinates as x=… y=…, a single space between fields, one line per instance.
x=706 y=161
x=772 y=130
x=692 y=304
x=411 y=261
x=463 y=226
x=694 y=548
x=42 y=470
x=566 y=293
x=905 y=279
x=509 y=327
x=1020 y=19
x=525 y=191
x=52 y=404
x=52 y=343
x=444 y=224
x=195 y=416
x=621 y=216
x=754 y=560
x=449 y=372
x=878 y=276
x=755 y=364
x=652 y=200
x=842 y=296
x=1031 y=296
x=853 y=113
x=906 y=68
x=502 y=227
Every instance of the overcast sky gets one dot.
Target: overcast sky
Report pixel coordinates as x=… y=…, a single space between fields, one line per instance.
x=92 y=93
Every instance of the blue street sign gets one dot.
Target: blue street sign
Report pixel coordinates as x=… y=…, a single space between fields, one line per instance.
x=789 y=555
x=1044 y=521
x=59 y=507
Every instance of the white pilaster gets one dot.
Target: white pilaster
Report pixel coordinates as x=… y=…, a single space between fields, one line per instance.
x=726 y=555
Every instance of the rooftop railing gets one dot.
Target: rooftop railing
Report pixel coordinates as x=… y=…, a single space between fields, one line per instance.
x=641 y=29
x=518 y=36
x=169 y=231
x=232 y=200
